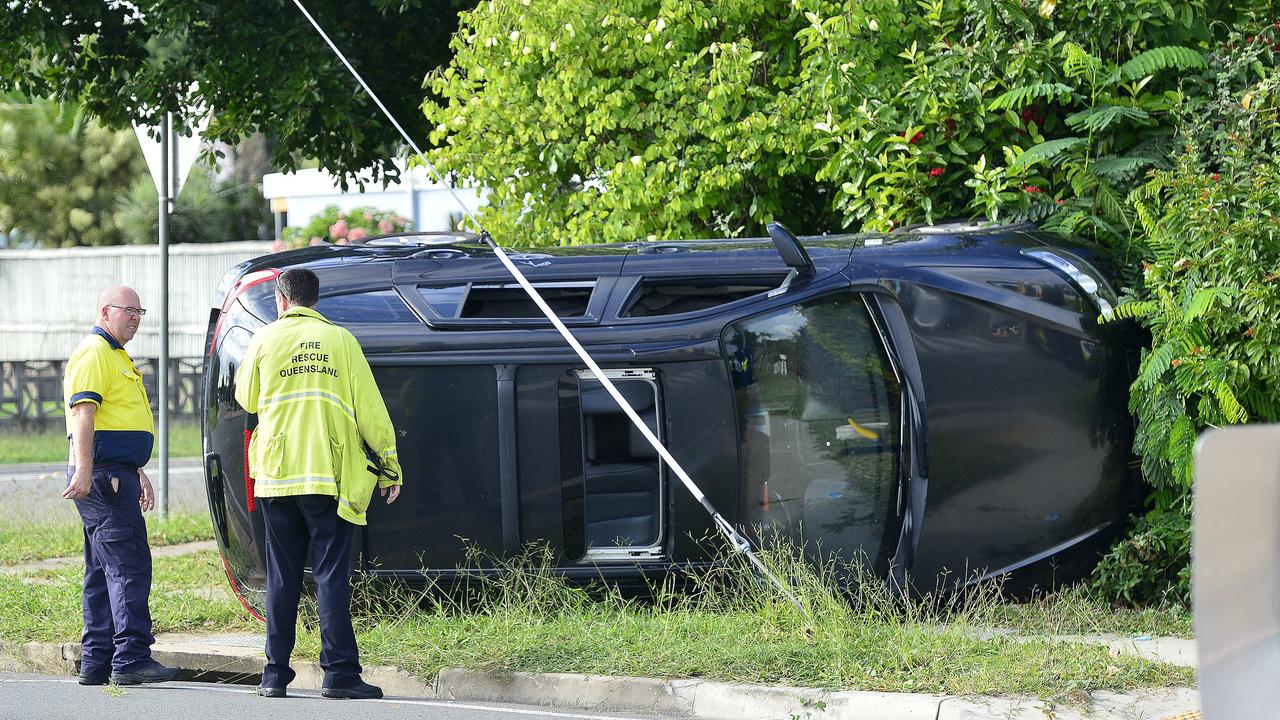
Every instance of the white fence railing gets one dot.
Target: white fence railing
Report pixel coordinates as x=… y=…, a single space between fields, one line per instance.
x=47 y=297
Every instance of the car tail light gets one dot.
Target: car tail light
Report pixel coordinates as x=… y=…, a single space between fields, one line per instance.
x=1084 y=275
x=242 y=286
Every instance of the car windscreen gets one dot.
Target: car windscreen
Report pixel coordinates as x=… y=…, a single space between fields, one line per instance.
x=819 y=411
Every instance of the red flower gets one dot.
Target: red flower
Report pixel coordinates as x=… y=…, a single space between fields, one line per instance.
x=916 y=138
x=1030 y=188
x=936 y=172
x=1249 y=39
x=1059 y=201
x=1026 y=115
x=1216 y=177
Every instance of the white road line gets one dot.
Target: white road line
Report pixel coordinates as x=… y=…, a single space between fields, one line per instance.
x=244 y=690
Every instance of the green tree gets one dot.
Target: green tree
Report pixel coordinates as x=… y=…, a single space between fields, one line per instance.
x=61 y=174
x=258 y=65
x=615 y=121
x=207 y=210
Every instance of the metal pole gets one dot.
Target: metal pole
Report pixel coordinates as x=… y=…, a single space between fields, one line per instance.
x=162 y=372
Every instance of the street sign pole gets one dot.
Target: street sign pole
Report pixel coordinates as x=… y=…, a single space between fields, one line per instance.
x=162 y=373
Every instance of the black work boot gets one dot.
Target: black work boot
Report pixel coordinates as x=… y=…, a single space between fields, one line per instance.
x=360 y=691
x=152 y=673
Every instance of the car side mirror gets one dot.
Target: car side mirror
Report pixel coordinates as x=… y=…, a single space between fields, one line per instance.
x=789 y=247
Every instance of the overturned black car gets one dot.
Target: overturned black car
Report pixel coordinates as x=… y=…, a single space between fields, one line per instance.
x=938 y=399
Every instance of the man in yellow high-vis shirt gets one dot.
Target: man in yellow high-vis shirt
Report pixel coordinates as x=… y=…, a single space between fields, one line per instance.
x=318 y=407
x=111 y=430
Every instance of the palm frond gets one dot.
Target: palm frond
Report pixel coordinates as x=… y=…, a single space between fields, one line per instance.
x=1203 y=300
x=1047 y=150
x=1078 y=62
x=1162 y=58
x=1121 y=168
x=1026 y=94
x=1100 y=118
x=1128 y=310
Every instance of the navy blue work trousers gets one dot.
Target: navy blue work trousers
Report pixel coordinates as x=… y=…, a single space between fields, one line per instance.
x=293 y=523
x=117 y=573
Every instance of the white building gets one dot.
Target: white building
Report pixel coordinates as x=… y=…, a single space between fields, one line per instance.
x=301 y=195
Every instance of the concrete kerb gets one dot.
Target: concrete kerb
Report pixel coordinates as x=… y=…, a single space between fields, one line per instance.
x=680 y=697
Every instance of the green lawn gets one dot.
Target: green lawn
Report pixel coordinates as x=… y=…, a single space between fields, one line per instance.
x=24 y=542
x=727 y=627
x=51 y=445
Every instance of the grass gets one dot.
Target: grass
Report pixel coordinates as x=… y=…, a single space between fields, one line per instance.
x=724 y=626
x=189 y=594
x=51 y=445
x=25 y=542
x=1073 y=612
x=731 y=628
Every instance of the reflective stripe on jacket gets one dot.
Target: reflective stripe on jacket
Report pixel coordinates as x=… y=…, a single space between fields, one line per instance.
x=317 y=405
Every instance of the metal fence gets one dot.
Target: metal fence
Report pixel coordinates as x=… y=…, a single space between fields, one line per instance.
x=31 y=392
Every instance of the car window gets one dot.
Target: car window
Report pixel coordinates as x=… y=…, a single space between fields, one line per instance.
x=380 y=306
x=819 y=412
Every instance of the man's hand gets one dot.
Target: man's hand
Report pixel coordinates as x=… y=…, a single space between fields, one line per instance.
x=80 y=484
x=146 y=496
x=391 y=497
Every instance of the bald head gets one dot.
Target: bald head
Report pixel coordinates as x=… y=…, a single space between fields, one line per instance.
x=117 y=312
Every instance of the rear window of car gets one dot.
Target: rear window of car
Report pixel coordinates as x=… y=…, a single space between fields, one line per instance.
x=379 y=306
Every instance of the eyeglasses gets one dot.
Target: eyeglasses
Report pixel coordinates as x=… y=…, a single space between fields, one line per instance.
x=135 y=312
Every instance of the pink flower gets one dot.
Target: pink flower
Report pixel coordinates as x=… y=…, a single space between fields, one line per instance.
x=343 y=241
x=338 y=229
x=277 y=245
x=385 y=226
x=936 y=172
x=358 y=234
x=316 y=241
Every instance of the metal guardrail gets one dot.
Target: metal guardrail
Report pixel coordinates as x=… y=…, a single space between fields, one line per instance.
x=31 y=391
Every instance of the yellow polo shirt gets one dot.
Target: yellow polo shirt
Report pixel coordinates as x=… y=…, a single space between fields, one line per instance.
x=101 y=372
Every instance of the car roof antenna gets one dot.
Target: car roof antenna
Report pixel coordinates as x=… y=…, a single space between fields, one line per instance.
x=793 y=254
x=736 y=540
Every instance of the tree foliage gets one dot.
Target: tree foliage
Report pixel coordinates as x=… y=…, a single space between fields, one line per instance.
x=207 y=210
x=255 y=66
x=61 y=174
x=614 y=121
x=1210 y=296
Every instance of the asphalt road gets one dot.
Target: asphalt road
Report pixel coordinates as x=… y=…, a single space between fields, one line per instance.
x=29 y=696
x=34 y=492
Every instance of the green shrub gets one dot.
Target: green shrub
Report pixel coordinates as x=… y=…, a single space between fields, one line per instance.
x=346 y=226
x=1210 y=296
x=1150 y=567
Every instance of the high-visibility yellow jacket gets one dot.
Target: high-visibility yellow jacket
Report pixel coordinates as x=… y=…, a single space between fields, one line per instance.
x=317 y=405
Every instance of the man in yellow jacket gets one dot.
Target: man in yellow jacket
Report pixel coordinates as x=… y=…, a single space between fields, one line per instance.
x=318 y=407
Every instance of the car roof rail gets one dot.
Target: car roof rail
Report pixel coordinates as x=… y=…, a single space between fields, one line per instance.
x=953 y=226
x=425 y=239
